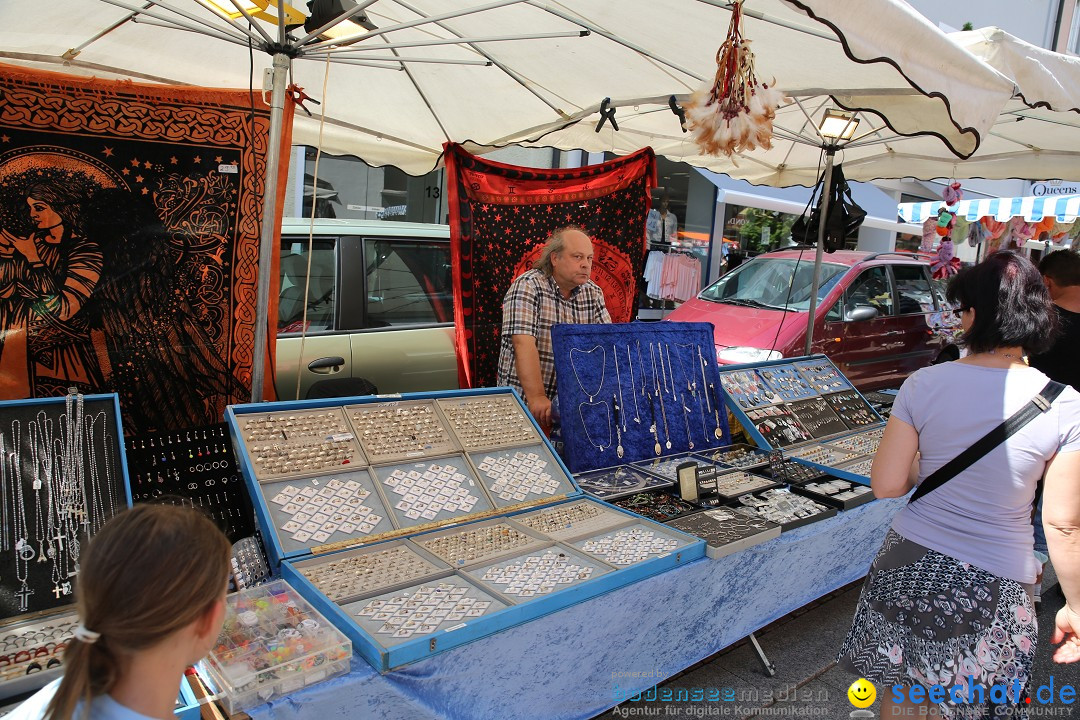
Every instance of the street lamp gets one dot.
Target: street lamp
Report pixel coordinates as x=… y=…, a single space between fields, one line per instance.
x=835 y=126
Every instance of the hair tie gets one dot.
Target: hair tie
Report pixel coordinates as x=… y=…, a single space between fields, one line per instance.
x=83 y=635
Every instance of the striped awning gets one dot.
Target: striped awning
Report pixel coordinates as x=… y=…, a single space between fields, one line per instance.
x=1065 y=207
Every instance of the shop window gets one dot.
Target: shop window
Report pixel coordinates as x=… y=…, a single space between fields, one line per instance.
x=320 y=289
x=913 y=291
x=871 y=289
x=408 y=283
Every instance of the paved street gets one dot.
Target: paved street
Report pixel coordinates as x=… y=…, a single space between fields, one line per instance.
x=807 y=683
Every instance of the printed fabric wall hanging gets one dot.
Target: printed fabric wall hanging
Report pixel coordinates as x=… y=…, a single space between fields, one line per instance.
x=129 y=243
x=500 y=217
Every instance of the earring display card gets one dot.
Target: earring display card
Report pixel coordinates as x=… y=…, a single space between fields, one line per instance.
x=519 y=475
x=784 y=508
x=852 y=409
x=478 y=542
x=835 y=492
x=369 y=570
x=787 y=383
x=748 y=389
x=400 y=430
x=778 y=426
x=572 y=520
x=630 y=545
x=630 y=392
x=299 y=443
x=273 y=643
x=62 y=476
x=618 y=482
x=726 y=531
x=488 y=422
x=658 y=506
x=314 y=511
x=864 y=443
x=817 y=417
x=822 y=375
x=395 y=617
x=432 y=491
x=821 y=455
x=539 y=572
x=731 y=485
x=736 y=456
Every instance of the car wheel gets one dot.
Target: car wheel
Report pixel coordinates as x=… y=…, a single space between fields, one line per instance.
x=947 y=355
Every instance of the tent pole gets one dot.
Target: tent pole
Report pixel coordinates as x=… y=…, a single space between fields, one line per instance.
x=826 y=189
x=269 y=213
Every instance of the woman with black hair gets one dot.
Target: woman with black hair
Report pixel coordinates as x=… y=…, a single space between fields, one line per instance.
x=948 y=600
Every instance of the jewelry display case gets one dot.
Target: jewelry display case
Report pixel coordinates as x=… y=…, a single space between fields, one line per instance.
x=63 y=474
x=807 y=408
x=784 y=508
x=834 y=492
x=658 y=505
x=739 y=455
x=726 y=531
x=472 y=533
x=611 y=483
x=637 y=391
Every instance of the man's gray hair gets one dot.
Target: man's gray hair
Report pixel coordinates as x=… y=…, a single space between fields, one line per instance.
x=555 y=244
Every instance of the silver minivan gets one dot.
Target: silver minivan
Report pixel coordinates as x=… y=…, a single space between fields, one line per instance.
x=379 y=306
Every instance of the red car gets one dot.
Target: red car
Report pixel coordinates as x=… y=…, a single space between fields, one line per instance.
x=880 y=316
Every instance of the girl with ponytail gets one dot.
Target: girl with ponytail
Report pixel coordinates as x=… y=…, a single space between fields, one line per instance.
x=151 y=601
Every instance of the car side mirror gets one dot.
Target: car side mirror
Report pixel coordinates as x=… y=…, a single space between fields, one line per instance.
x=860 y=312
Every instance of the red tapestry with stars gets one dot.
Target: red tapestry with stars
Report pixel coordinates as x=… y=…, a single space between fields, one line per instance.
x=500 y=217
x=129 y=243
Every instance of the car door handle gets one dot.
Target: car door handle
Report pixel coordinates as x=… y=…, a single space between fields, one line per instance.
x=326 y=365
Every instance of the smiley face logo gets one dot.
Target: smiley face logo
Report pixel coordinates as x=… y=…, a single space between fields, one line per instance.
x=862 y=693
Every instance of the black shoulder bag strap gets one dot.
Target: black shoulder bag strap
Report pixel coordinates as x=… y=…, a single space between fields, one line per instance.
x=1037 y=405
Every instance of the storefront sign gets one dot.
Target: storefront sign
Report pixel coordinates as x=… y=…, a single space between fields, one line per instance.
x=1054 y=187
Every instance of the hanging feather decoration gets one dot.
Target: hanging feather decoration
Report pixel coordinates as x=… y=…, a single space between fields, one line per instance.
x=734 y=113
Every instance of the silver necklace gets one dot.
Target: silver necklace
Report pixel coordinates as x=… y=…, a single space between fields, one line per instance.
x=663 y=412
x=618 y=432
x=619 y=407
x=603 y=369
x=24 y=551
x=708 y=401
x=588 y=435
x=633 y=385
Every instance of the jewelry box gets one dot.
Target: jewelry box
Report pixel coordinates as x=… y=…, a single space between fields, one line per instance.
x=443 y=530
x=64 y=475
x=637 y=391
x=828 y=431
x=726 y=531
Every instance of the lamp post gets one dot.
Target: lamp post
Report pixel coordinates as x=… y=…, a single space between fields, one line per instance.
x=834 y=126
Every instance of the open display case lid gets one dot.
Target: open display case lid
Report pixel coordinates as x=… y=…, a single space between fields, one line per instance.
x=332 y=473
x=635 y=391
x=63 y=475
x=807 y=408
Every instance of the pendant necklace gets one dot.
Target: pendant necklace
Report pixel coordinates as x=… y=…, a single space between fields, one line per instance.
x=701 y=358
x=691 y=382
x=619 y=404
x=618 y=432
x=671 y=372
x=686 y=419
x=585 y=425
x=24 y=551
x=39 y=518
x=603 y=369
x=633 y=386
x=660 y=392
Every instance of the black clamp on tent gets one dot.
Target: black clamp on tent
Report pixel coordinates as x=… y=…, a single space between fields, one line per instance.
x=606 y=114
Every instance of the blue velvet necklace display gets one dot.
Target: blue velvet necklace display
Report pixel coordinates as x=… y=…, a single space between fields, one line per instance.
x=636 y=391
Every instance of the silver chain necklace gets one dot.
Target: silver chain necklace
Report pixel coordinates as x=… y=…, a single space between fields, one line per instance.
x=603 y=370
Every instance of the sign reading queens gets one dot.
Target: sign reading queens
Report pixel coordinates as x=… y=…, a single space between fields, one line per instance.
x=1054 y=187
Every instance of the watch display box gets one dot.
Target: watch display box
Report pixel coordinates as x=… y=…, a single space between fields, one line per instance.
x=830 y=430
x=635 y=391
x=479 y=503
x=726 y=531
x=273 y=643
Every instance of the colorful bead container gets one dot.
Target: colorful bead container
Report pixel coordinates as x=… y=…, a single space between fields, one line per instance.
x=273 y=643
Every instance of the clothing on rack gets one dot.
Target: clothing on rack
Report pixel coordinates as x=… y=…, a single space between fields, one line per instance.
x=661 y=227
x=672 y=276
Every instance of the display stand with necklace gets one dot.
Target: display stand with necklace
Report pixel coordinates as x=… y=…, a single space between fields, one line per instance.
x=589 y=403
x=660 y=394
x=633 y=386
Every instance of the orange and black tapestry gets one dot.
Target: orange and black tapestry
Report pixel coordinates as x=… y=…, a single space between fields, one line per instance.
x=129 y=243
x=501 y=216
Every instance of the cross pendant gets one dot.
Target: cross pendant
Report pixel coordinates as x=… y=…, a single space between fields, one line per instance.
x=56 y=591
x=24 y=597
x=59 y=541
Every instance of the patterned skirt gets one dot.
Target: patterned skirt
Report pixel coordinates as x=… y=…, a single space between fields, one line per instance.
x=929 y=619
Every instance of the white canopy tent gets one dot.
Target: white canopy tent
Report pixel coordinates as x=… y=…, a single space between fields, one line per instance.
x=417 y=73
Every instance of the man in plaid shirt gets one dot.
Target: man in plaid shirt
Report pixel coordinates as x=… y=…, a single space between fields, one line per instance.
x=556 y=290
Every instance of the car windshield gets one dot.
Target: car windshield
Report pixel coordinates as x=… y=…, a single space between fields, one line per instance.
x=774 y=283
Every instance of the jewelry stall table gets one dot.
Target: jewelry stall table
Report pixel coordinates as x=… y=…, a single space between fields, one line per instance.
x=577 y=662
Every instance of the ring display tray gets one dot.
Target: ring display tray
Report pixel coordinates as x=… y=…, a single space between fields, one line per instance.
x=396 y=431
x=834 y=492
x=633 y=544
x=817 y=430
x=539 y=572
x=299 y=444
x=736 y=483
x=488 y=422
x=634 y=391
x=726 y=531
x=740 y=456
x=617 y=482
x=435 y=522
